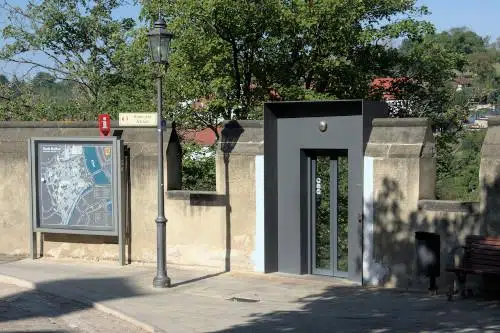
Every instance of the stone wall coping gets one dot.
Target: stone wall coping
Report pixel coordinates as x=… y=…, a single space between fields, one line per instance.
x=401 y=122
x=449 y=206
x=198 y=198
x=65 y=124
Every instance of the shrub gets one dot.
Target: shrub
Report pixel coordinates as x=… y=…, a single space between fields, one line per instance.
x=198 y=167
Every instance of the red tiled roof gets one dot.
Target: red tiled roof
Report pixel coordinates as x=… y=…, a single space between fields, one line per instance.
x=204 y=137
x=385 y=84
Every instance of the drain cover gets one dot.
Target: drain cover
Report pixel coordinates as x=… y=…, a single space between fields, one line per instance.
x=243 y=300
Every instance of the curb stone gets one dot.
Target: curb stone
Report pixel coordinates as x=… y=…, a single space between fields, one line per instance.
x=96 y=305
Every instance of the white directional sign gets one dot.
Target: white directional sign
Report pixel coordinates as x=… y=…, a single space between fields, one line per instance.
x=137 y=119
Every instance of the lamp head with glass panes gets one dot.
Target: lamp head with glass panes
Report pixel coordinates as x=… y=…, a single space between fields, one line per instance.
x=159 y=42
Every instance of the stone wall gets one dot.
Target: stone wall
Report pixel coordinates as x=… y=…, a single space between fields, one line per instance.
x=200 y=224
x=219 y=229
x=402 y=202
x=489 y=178
x=402 y=151
x=15 y=191
x=453 y=221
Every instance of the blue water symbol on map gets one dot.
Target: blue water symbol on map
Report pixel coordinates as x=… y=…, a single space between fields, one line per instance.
x=94 y=166
x=109 y=208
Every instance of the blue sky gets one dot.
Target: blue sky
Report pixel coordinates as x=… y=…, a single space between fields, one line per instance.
x=478 y=15
x=481 y=16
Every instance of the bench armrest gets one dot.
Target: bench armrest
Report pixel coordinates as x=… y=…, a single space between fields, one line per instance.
x=450 y=260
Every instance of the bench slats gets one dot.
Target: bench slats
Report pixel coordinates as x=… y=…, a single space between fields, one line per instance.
x=475 y=270
x=482 y=256
x=481 y=242
x=475 y=239
x=476 y=264
x=484 y=247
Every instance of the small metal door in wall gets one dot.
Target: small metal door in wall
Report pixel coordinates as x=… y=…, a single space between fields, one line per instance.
x=328 y=212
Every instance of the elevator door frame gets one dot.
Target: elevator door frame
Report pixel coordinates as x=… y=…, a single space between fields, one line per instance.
x=333 y=155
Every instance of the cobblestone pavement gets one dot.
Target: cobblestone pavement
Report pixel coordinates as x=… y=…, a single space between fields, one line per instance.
x=23 y=310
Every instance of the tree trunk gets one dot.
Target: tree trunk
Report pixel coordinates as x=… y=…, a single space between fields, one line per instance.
x=237 y=76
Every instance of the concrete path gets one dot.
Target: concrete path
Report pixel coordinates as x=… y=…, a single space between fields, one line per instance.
x=210 y=301
x=24 y=310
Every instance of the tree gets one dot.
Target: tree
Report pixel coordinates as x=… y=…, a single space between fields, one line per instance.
x=231 y=55
x=3 y=80
x=462 y=40
x=198 y=167
x=478 y=62
x=43 y=80
x=439 y=59
x=79 y=42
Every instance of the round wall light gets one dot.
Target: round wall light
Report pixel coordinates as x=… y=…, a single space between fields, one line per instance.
x=323 y=126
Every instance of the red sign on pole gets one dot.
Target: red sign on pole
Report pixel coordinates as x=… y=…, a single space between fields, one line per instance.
x=104 y=121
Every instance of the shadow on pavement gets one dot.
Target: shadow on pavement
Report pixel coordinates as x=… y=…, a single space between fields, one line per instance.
x=197 y=279
x=355 y=309
x=91 y=290
x=336 y=309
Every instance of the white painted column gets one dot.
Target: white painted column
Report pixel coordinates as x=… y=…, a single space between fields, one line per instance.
x=374 y=273
x=258 y=253
x=368 y=221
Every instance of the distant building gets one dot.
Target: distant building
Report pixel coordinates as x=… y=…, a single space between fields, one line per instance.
x=387 y=88
x=204 y=137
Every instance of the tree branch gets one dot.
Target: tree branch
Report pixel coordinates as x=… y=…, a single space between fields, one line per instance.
x=9 y=99
x=237 y=75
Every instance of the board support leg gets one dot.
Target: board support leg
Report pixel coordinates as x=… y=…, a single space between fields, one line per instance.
x=32 y=178
x=121 y=245
x=120 y=195
x=33 y=245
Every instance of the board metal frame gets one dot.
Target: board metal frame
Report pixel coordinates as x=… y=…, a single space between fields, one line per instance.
x=117 y=190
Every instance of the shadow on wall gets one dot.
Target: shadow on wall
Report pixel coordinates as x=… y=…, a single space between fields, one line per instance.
x=230 y=135
x=491 y=202
x=393 y=249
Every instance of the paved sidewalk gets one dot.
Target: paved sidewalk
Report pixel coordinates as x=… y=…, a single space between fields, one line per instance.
x=202 y=301
x=23 y=310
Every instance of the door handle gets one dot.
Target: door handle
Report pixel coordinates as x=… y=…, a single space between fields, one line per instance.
x=360 y=217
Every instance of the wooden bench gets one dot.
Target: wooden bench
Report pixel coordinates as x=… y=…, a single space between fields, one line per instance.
x=481 y=257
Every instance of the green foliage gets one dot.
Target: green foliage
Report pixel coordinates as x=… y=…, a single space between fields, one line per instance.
x=323 y=232
x=426 y=70
x=475 y=60
x=439 y=59
x=3 y=80
x=198 y=167
x=103 y=57
x=234 y=55
x=458 y=168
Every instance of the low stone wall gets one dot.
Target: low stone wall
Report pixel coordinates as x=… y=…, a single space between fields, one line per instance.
x=401 y=156
x=223 y=228
x=489 y=177
x=196 y=231
x=401 y=153
x=15 y=191
x=218 y=228
x=215 y=229
x=453 y=221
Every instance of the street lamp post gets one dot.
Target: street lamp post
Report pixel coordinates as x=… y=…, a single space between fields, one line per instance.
x=159 y=45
